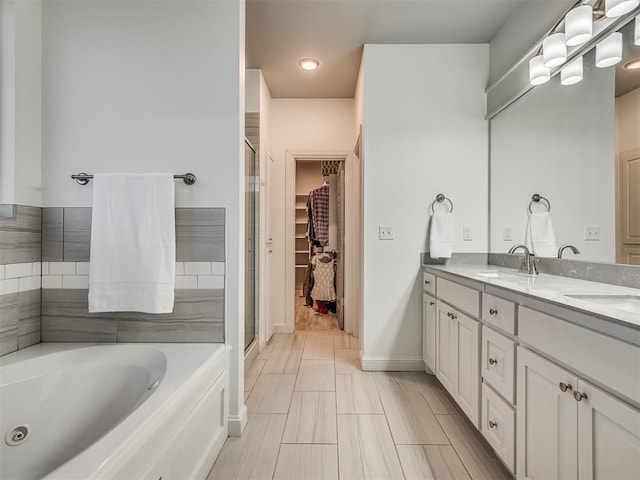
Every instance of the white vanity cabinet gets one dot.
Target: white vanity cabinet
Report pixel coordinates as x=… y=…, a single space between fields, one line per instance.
x=570 y=429
x=429 y=332
x=457 y=358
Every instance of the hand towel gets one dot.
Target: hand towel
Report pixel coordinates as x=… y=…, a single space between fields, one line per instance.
x=440 y=244
x=133 y=243
x=540 y=238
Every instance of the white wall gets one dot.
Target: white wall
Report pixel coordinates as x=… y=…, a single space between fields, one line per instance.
x=425 y=133
x=300 y=125
x=559 y=142
x=20 y=164
x=152 y=87
x=252 y=90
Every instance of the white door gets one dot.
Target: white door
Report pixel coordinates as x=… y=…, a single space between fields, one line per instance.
x=609 y=436
x=446 y=351
x=547 y=420
x=429 y=332
x=467 y=389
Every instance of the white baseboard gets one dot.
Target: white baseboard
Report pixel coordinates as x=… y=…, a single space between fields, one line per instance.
x=237 y=423
x=381 y=364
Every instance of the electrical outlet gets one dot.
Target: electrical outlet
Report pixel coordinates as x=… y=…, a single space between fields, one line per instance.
x=592 y=233
x=507 y=234
x=467 y=236
x=385 y=233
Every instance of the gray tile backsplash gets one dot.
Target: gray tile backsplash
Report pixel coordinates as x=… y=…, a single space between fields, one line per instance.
x=20 y=236
x=63 y=234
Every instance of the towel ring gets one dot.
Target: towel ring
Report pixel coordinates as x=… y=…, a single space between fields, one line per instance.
x=535 y=198
x=439 y=199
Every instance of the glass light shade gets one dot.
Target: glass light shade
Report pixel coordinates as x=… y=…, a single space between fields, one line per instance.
x=609 y=50
x=308 y=63
x=554 y=50
x=572 y=72
x=578 y=25
x=538 y=73
x=636 y=33
x=615 y=8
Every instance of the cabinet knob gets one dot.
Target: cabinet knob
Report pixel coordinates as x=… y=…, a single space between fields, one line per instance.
x=454 y=316
x=449 y=314
x=564 y=387
x=492 y=424
x=492 y=361
x=432 y=303
x=579 y=396
x=427 y=282
x=493 y=311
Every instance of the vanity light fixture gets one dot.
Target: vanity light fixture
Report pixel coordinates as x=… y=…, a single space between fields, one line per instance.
x=578 y=25
x=633 y=64
x=609 y=50
x=554 y=50
x=636 y=33
x=308 y=63
x=572 y=73
x=616 y=8
x=538 y=73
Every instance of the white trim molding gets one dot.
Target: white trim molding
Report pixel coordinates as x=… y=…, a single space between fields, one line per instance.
x=381 y=364
x=237 y=423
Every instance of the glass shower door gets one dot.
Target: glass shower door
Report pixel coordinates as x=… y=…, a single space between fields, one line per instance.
x=252 y=198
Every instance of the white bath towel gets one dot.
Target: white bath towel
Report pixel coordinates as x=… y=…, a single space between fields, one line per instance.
x=133 y=243
x=540 y=238
x=440 y=243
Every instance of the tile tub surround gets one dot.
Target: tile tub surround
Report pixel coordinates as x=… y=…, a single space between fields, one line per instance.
x=20 y=245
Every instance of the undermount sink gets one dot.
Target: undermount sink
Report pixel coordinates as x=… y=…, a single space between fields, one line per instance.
x=628 y=303
x=503 y=274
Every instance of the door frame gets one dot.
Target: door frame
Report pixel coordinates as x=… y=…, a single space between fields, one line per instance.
x=352 y=240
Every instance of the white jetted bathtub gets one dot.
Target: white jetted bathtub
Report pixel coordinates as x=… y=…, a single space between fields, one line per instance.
x=72 y=411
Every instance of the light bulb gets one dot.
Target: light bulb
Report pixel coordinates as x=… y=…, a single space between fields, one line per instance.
x=609 y=50
x=616 y=8
x=554 y=50
x=538 y=73
x=572 y=72
x=578 y=25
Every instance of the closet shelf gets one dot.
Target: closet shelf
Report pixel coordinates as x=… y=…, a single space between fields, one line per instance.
x=301 y=266
x=299 y=237
x=303 y=251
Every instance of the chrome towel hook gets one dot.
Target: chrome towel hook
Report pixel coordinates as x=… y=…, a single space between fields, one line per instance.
x=439 y=199
x=535 y=198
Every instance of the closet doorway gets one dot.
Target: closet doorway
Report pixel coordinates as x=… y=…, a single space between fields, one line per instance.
x=318 y=243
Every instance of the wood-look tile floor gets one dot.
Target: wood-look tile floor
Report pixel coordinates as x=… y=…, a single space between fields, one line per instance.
x=313 y=414
x=308 y=319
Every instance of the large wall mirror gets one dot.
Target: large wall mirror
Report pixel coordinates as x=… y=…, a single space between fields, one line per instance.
x=578 y=146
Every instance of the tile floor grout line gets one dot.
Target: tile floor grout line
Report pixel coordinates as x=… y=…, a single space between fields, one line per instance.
x=455 y=449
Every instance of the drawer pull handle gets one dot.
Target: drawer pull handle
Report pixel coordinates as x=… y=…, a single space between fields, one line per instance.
x=493 y=361
x=579 y=396
x=493 y=311
x=564 y=387
x=492 y=424
x=432 y=303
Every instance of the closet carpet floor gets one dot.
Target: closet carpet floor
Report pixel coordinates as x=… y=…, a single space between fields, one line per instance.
x=313 y=414
x=308 y=319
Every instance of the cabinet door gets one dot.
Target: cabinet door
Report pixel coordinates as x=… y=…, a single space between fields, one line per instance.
x=446 y=347
x=467 y=378
x=429 y=332
x=609 y=436
x=547 y=426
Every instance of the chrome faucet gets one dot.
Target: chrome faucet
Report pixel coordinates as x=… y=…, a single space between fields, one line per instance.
x=528 y=264
x=571 y=247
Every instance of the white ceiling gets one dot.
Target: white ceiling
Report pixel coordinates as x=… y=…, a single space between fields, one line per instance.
x=280 y=32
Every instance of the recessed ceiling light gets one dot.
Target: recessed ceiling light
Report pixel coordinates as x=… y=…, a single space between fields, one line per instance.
x=308 y=63
x=633 y=64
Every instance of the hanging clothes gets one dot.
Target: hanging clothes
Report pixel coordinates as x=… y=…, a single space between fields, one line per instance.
x=323 y=277
x=319 y=200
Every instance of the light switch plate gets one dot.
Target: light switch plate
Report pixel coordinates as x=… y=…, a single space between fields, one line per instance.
x=467 y=234
x=385 y=233
x=507 y=234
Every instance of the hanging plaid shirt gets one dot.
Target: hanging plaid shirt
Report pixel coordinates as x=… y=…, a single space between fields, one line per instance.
x=320 y=210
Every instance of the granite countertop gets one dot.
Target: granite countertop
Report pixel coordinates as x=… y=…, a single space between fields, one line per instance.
x=555 y=289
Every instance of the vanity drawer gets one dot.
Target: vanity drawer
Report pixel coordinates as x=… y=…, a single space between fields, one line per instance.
x=498 y=363
x=499 y=312
x=429 y=283
x=499 y=426
x=603 y=359
x=461 y=297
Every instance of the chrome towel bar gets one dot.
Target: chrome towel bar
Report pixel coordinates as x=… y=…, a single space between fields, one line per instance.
x=535 y=198
x=83 y=178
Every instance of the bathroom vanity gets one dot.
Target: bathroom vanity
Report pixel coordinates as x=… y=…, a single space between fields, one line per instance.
x=546 y=367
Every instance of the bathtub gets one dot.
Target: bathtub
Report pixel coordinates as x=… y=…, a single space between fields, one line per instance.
x=78 y=411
